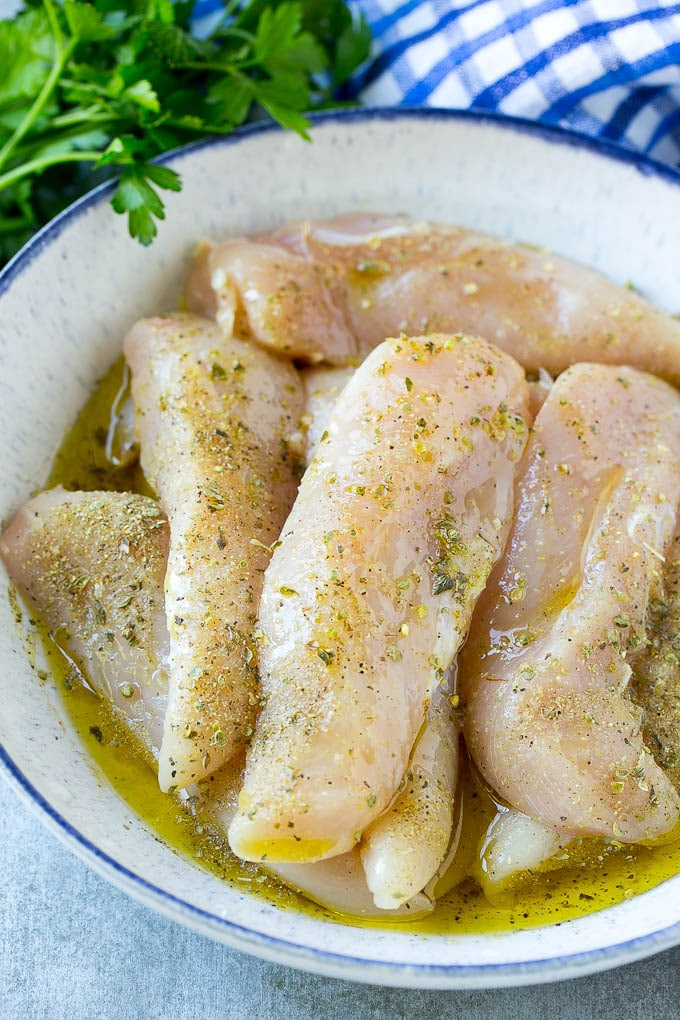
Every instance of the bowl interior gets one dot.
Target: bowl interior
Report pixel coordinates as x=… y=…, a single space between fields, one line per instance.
x=65 y=305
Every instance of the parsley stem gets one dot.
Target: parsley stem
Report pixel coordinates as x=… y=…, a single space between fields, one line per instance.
x=238 y=33
x=207 y=65
x=64 y=53
x=32 y=147
x=91 y=87
x=41 y=163
x=90 y=115
x=13 y=225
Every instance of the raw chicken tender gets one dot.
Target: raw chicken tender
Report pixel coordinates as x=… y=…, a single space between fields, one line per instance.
x=260 y=290
x=546 y=668
x=213 y=416
x=339 y=884
x=513 y=845
x=333 y=290
x=403 y=849
x=398 y=521
x=92 y=565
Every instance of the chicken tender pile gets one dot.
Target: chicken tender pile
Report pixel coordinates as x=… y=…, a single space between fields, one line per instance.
x=415 y=497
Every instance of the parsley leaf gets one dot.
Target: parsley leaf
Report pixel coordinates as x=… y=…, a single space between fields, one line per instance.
x=85 y=22
x=137 y=197
x=26 y=49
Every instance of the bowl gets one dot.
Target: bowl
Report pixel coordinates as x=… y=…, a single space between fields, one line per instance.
x=67 y=300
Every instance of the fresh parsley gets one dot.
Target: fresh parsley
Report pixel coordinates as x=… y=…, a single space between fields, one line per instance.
x=88 y=90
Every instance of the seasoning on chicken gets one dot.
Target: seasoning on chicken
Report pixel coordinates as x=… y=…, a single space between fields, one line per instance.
x=213 y=416
x=398 y=521
x=333 y=290
x=656 y=674
x=92 y=565
x=546 y=669
x=282 y=300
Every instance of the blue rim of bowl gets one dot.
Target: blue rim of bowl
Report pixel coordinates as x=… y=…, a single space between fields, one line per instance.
x=240 y=937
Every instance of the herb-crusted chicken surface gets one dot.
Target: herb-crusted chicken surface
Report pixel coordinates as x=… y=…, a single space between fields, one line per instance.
x=398 y=521
x=213 y=417
x=546 y=670
x=331 y=290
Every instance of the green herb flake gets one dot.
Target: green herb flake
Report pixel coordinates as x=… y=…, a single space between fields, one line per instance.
x=394 y=653
x=213 y=497
x=218 y=737
x=78 y=583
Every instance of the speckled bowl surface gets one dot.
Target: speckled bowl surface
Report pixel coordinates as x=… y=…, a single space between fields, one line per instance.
x=65 y=304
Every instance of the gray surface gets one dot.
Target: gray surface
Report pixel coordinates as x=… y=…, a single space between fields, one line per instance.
x=72 y=946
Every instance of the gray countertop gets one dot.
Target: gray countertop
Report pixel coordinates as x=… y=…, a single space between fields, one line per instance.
x=74 y=947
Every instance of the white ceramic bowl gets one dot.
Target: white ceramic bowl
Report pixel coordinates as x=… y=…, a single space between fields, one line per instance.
x=65 y=304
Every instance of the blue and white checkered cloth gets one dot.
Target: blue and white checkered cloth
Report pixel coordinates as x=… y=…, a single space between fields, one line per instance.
x=608 y=68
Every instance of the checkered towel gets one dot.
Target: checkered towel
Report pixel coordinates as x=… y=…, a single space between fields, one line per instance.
x=609 y=68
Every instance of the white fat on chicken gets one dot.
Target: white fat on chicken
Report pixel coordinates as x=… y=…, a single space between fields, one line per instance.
x=122 y=446
x=341 y=880
x=514 y=845
x=332 y=290
x=539 y=389
x=213 y=417
x=546 y=668
x=399 y=518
